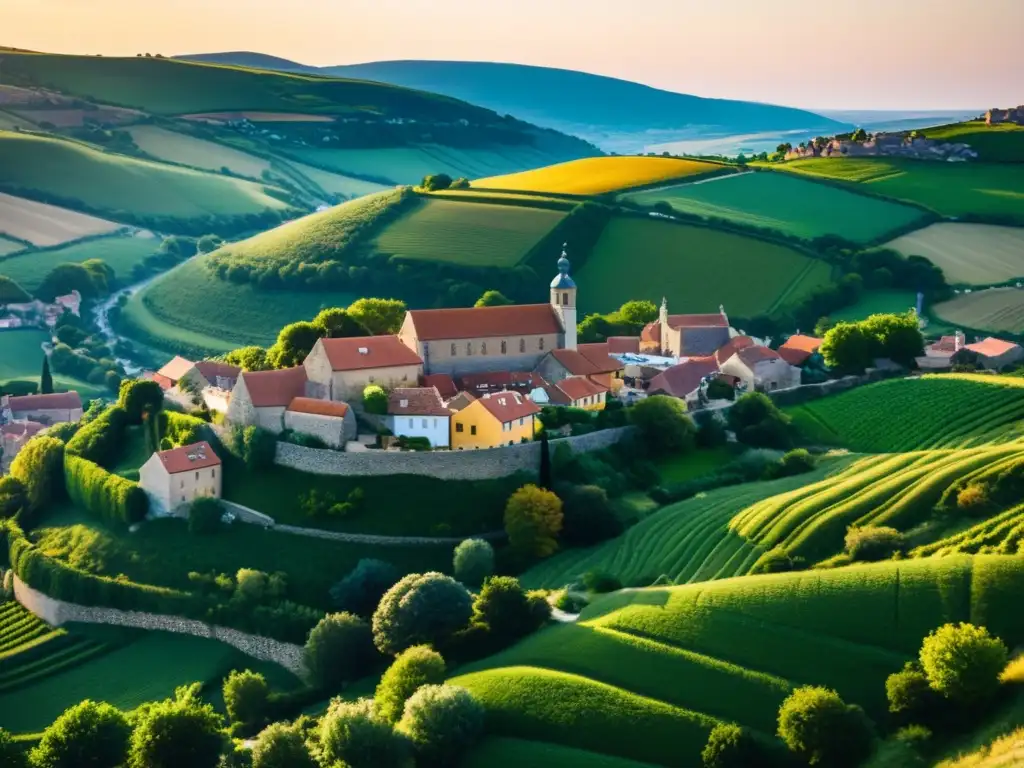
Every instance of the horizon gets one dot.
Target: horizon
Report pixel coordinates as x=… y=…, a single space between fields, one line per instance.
x=933 y=59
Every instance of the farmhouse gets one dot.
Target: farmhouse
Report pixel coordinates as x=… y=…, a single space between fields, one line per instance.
x=757 y=368
x=419 y=412
x=45 y=409
x=503 y=418
x=331 y=421
x=260 y=398
x=576 y=392
x=684 y=380
x=206 y=373
x=994 y=354
x=943 y=350
x=685 y=335
x=179 y=476
x=13 y=437
x=340 y=369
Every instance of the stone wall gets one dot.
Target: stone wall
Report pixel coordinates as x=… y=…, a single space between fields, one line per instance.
x=246 y=515
x=57 y=612
x=446 y=465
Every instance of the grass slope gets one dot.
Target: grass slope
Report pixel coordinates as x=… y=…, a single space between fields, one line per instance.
x=498 y=752
x=996 y=310
x=46 y=225
x=791 y=205
x=599 y=175
x=874 y=302
x=30 y=268
x=21 y=357
x=696 y=268
x=1000 y=143
x=188 y=150
x=968 y=254
x=8 y=246
x=1001 y=534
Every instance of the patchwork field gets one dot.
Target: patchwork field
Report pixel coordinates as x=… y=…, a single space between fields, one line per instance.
x=120 y=254
x=968 y=254
x=873 y=302
x=8 y=246
x=996 y=310
x=951 y=189
x=599 y=175
x=791 y=205
x=44 y=225
x=472 y=234
x=332 y=183
x=21 y=358
x=199 y=153
x=696 y=268
x=1000 y=143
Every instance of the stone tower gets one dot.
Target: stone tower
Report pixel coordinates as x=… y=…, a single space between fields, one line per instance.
x=563 y=299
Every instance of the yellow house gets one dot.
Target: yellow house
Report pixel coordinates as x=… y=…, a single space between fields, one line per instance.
x=501 y=418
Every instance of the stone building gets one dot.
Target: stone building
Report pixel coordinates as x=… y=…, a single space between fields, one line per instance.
x=419 y=412
x=205 y=373
x=684 y=380
x=260 y=398
x=685 y=335
x=589 y=361
x=1011 y=115
x=340 y=369
x=177 y=477
x=45 y=409
x=757 y=368
x=575 y=392
x=333 y=422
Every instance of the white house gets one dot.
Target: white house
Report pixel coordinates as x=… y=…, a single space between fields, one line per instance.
x=758 y=368
x=419 y=412
x=176 y=477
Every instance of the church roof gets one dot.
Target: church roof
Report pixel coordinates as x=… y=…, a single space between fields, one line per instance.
x=484 y=322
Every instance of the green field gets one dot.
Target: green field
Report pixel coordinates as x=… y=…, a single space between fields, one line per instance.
x=497 y=752
x=1001 y=534
x=951 y=189
x=645 y=673
x=181 y=148
x=696 y=268
x=120 y=253
x=996 y=310
x=968 y=254
x=9 y=246
x=21 y=357
x=116 y=183
x=794 y=206
x=470 y=234
x=874 y=302
x=999 y=143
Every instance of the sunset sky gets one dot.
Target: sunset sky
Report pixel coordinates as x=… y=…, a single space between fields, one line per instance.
x=853 y=54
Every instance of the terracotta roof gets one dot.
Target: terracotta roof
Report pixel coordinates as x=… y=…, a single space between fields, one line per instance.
x=416 y=401
x=683 y=379
x=22 y=428
x=588 y=360
x=716 y=320
x=992 y=347
x=945 y=344
x=269 y=389
x=651 y=332
x=189 y=457
x=752 y=355
x=736 y=343
x=460 y=401
x=793 y=356
x=623 y=345
x=211 y=369
x=496 y=381
x=555 y=395
x=808 y=344
x=443 y=382
x=361 y=352
x=577 y=388
x=56 y=401
x=484 y=322
x=176 y=369
x=316 y=407
x=508 y=406
x=599 y=357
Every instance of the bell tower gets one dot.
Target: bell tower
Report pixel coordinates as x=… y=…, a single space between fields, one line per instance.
x=563 y=299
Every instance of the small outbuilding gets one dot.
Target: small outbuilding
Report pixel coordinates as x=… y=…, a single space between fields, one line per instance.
x=331 y=421
x=175 y=478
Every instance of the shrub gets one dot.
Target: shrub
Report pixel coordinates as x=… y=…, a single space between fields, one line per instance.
x=259 y=446
x=205 y=515
x=587 y=516
x=352 y=734
x=38 y=468
x=339 y=649
x=88 y=735
x=917 y=737
x=105 y=495
x=177 y=732
x=13 y=497
x=796 y=462
x=139 y=396
x=663 y=424
x=963 y=663
x=776 y=560
x=758 y=422
x=973 y=499
x=281 y=746
x=822 y=729
x=730 y=746
x=414 y=667
x=504 y=606
x=911 y=697
x=533 y=519
x=600 y=582
x=365 y=585
x=473 y=562
x=11 y=755
x=245 y=698
x=442 y=722
x=375 y=400
x=871 y=543
x=420 y=608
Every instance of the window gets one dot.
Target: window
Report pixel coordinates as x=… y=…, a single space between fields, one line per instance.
x=504 y=347
x=565 y=298
x=424 y=423
x=458 y=426
x=558 y=299
x=183 y=497
x=540 y=343
x=472 y=429
x=197 y=475
x=469 y=347
x=483 y=347
x=372 y=379
x=454 y=351
x=213 y=473
x=521 y=422
x=522 y=345
x=411 y=422
x=182 y=482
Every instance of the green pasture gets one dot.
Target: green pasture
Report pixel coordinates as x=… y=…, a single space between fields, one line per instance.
x=120 y=253
x=999 y=143
x=791 y=205
x=21 y=358
x=498 y=752
x=874 y=302
x=687 y=466
x=696 y=268
x=469 y=234
x=8 y=246
x=996 y=310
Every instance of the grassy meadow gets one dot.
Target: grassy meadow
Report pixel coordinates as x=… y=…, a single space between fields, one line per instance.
x=696 y=268
x=177 y=147
x=120 y=253
x=470 y=234
x=999 y=143
x=968 y=254
x=874 y=302
x=791 y=205
x=331 y=183
x=21 y=358
x=497 y=752
x=996 y=310
x=8 y=246
x=600 y=175
x=47 y=225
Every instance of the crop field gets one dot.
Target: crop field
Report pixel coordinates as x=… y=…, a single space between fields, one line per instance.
x=188 y=150
x=696 y=268
x=874 y=302
x=332 y=183
x=951 y=189
x=999 y=143
x=120 y=254
x=968 y=254
x=119 y=183
x=21 y=357
x=996 y=309
x=45 y=225
x=497 y=752
x=786 y=203
x=600 y=175
x=471 y=234
x=1001 y=534
x=928 y=412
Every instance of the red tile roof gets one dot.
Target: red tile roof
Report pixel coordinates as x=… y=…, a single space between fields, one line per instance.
x=316 y=407
x=176 y=369
x=508 y=406
x=416 y=401
x=992 y=347
x=752 y=355
x=55 y=401
x=189 y=457
x=577 y=388
x=715 y=320
x=651 y=332
x=808 y=344
x=496 y=381
x=460 y=401
x=623 y=345
x=736 y=343
x=598 y=356
x=947 y=344
x=683 y=379
x=484 y=322
x=587 y=360
x=444 y=384
x=793 y=356
x=211 y=369
x=275 y=389
x=362 y=352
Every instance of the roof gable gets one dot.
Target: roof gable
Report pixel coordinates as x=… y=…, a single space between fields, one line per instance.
x=189 y=457
x=576 y=388
x=211 y=369
x=275 y=389
x=176 y=369
x=362 y=352
x=508 y=406
x=683 y=380
x=599 y=356
x=484 y=322
x=416 y=401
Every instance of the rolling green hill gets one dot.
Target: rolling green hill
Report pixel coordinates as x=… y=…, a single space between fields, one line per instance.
x=1000 y=143
x=120 y=253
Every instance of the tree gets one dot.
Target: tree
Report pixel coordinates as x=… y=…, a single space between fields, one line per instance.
x=11 y=754
x=871 y=543
x=963 y=663
x=587 y=516
x=436 y=181
x=758 y=422
x=339 y=649
x=504 y=606
x=354 y=735
x=822 y=729
x=730 y=746
x=898 y=336
x=205 y=515
x=39 y=466
x=281 y=746
x=294 y=342
x=338 y=323
x=11 y=292
x=46 y=380
x=493 y=299
x=208 y=243
x=859 y=135
x=87 y=735
x=664 y=425
x=473 y=561
x=533 y=520
x=365 y=585
x=379 y=316
x=245 y=698
x=911 y=698
x=847 y=348
x=65 y=278
x=178 y=731
x=720 y=389
x=375 y=399
x=139 y=396
x=248 y=358
x=420 y=608
x=638 y=313
x=413 y=668
x=442 y=722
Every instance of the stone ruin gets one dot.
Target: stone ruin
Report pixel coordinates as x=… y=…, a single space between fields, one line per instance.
x=1012 y=115
x=888 y=145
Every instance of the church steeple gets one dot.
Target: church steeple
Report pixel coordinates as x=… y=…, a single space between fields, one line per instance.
x=563 y=299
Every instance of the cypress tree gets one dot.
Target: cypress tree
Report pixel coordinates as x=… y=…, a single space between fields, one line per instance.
x=545 y=461
x=46 y=380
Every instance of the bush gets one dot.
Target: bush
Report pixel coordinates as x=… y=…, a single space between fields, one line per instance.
x=87 y=735
x=339 y=650
x=38 y=468
x=911 y=698
x=796 y=462
x=533 y=519
x=259 y=446
x=245 y=698
x=730 y=746
x=570 y=603
x=281 y=746
x=663 y=424
x=352 y=734
x=205 y=516
x=138 y=397
x=365 y=585
x=13 y=497
x=600 y=582
x=758 y=422
x=420 y=608
x=473 y=562
x=505 y=608
x=973 y=499
x=822 y=729
x=872 y=543
x=375 y=400
x=177 y=732
x=776 y=560
x=442 y=722
x=963 y=662
x=414 y=667
x=916 y=737
x=587 y=516
x=107 y=496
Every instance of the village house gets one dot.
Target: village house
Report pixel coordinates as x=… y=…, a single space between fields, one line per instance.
x=798 y=349
x=419 y=412
x=444 y=384
x=995 y=354
x=685 y=335
x=756 y=368
x=13 y=437
x=684 y=380
x=45 y=409
x=479 y=384
x=331 y=421
x=502 y=418
x=340 y=369
x=38 y=312
x=177 y=477
x=260 y=398
x=576 y=392
x=460 y=401
x=590 y=361
x=939 y=354
x=198 y=376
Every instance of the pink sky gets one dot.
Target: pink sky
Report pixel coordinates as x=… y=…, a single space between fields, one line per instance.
x=851 y=54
